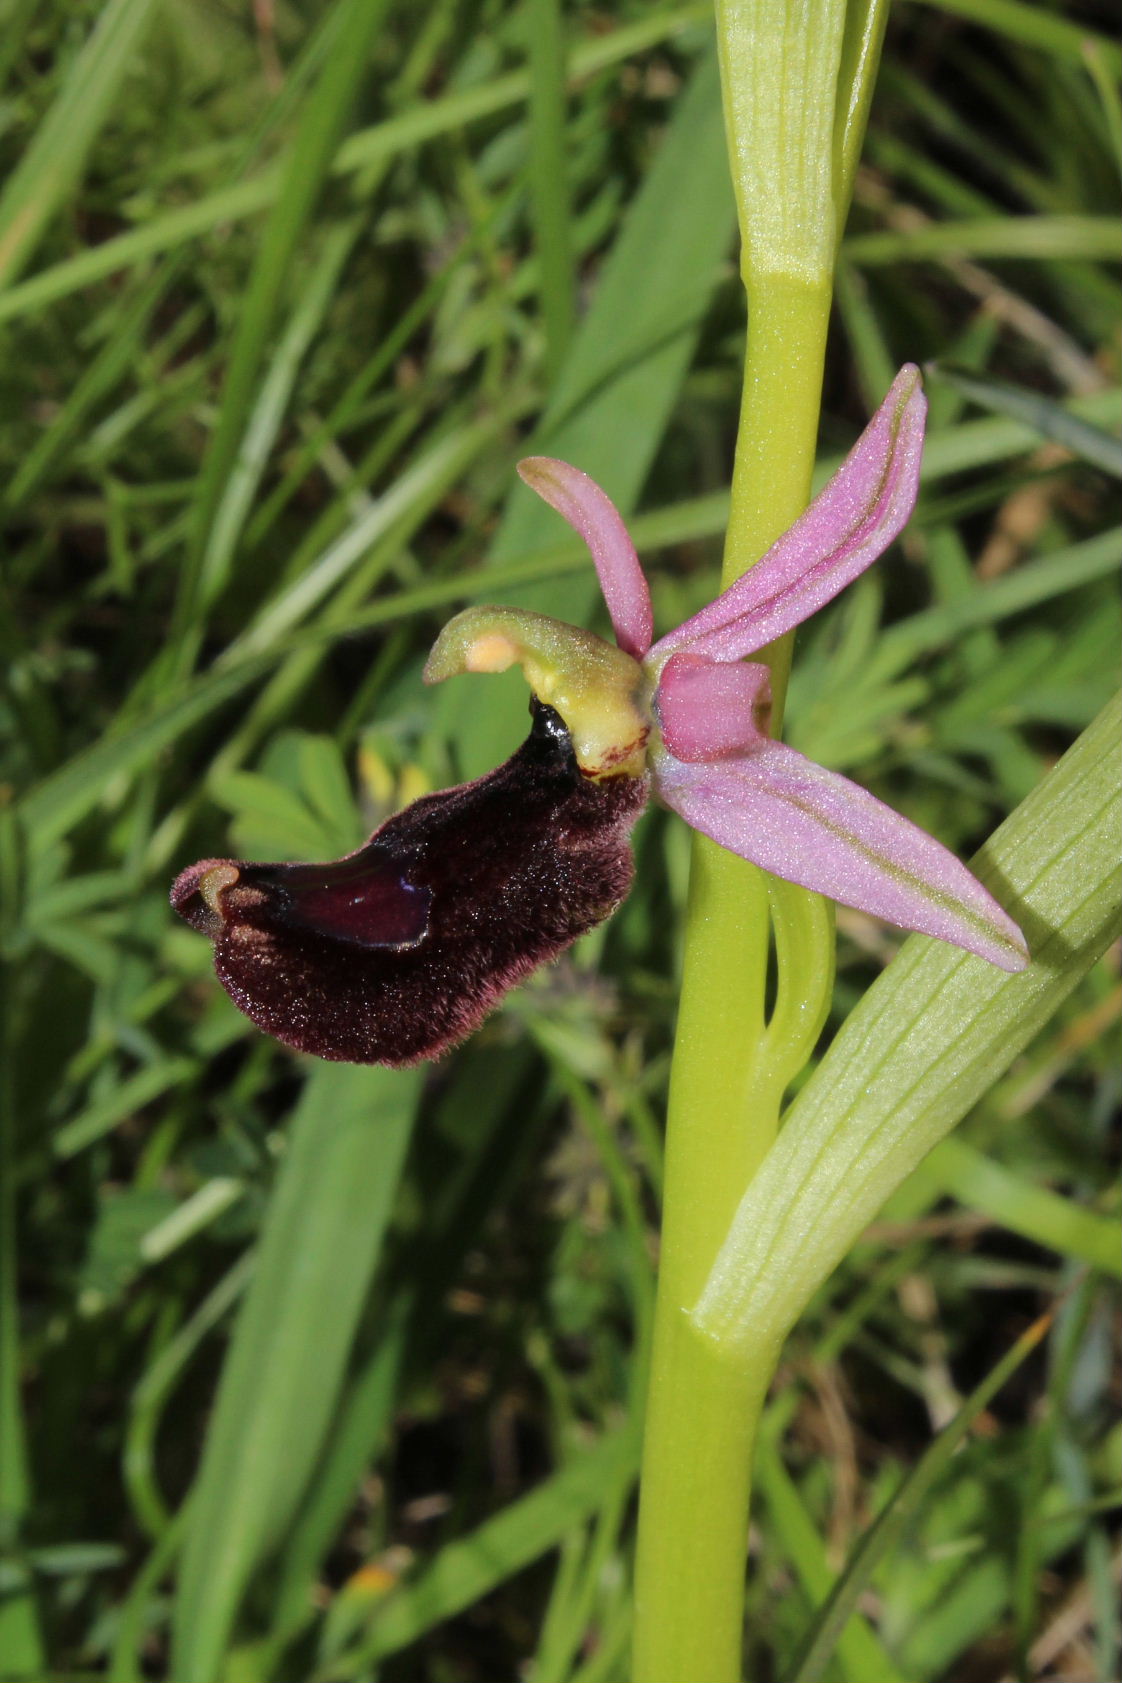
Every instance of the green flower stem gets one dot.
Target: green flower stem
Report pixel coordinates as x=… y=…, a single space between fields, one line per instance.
x=778 y=433
x=796 y=81
x=704 y=1403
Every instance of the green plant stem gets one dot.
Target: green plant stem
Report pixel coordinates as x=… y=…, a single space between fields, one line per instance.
x=703 y=1406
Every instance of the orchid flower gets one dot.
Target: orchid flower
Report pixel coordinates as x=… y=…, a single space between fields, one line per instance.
x=398 y=951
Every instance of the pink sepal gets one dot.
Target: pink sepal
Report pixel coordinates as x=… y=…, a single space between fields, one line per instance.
x=811 y=826
x=849 y=523
x=592 y=513
x=709 y=709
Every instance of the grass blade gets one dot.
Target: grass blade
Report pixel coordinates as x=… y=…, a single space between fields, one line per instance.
x=860 y=1653
x=49 y=809
x=371 y=146
x=548 y=177
x=48 y=169
x=465 y=1570
x=1032 y=26
x=980 y=1183
x=990 y=236
x=893 y=1522
x=1049 y=419
x=282 y=1377
x=20 y=1641
x=311 y=154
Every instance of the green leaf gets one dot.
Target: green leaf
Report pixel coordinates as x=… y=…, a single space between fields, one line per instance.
x=779 y=78
x=115 y=1255
x=269 y=815
x=310 y=156
x=382 y=142
x=929 y=1037
x=990 y=236
x=548 y=175
x=1033 y=26
x=125 y=1098
x=60 y=800
x=323 y=778
x=46 y=172
x=464 y=1571
x=1039 y=1214
x=285 y=1368
x=476 y=1158
x=893 y=1522
x=1036 y=581
x=861 y=1653
x=1048 y=418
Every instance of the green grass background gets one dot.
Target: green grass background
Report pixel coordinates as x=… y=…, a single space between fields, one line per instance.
x=319 y=1373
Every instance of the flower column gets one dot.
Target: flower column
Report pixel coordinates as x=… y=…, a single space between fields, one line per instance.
x=796 y=75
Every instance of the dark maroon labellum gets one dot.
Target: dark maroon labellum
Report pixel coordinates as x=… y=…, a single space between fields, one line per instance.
x=399 y=950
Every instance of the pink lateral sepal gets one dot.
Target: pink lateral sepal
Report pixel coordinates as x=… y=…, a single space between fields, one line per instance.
x=813 y=827
x=847 y=526
x=710 y=709
x=593 y=515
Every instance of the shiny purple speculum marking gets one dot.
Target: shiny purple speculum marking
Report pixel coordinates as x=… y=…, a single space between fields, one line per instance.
x=362 y=899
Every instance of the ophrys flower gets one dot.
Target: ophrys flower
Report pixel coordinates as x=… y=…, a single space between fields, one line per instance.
x=398 y=951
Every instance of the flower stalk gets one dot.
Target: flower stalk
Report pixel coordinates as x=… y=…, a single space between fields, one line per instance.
x=703 y=1405
x=780 y=73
